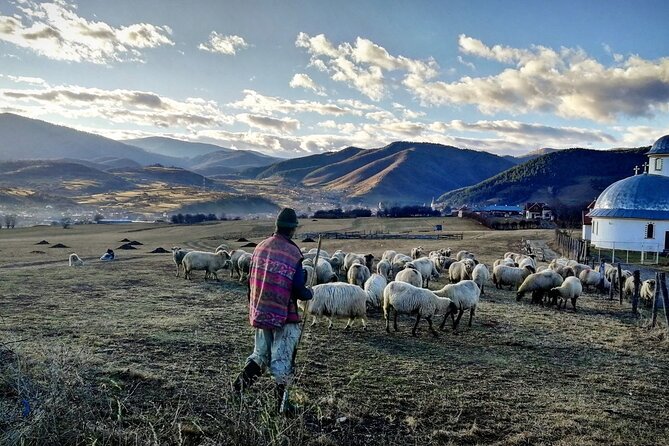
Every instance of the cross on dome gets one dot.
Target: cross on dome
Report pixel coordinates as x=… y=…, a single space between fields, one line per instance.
x=636 y=170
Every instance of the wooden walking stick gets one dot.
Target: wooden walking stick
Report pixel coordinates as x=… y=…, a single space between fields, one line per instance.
x=284 y=400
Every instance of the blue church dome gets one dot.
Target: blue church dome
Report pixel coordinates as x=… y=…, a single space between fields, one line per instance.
x=660 y=147
x=641 y=196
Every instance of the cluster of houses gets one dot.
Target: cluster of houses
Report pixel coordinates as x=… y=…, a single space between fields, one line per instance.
x=531 y=211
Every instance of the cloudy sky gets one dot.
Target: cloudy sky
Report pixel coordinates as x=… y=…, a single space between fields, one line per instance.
x=298 y=77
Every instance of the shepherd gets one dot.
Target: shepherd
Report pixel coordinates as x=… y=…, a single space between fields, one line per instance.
x=276 y=281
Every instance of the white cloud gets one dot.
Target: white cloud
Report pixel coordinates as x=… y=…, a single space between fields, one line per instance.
x=361 y=65
x=258 y=103
x=469 y=65
x=120 y=106
x=54 y=30
x=268 y=123
x=301 y=80
x=228 y=45
x=565 y=82
x=25 y=79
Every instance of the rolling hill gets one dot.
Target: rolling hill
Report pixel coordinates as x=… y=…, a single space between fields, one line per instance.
x=567 y=178
x=229 y=162
x=25 y=138
x=174 y=147
x=401 y=172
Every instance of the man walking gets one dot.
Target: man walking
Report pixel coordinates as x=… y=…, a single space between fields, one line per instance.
x=276 y=281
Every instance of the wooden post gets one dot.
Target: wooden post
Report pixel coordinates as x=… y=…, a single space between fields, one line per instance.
x=611 y=287
x=656 y=299
x=637 y=287
x=620 y=283
x=665 y=297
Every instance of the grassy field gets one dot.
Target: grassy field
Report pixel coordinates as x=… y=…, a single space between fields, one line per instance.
x=125 y=353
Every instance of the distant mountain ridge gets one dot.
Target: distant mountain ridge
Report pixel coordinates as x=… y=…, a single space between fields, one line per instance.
x=174 y=147
x=567 y=177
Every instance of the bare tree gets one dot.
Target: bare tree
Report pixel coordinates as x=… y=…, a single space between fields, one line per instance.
x=66 y=222
x=10 y=221
x=97 y=217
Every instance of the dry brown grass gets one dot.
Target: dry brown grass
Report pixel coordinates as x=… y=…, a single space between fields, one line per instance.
x=125 y=353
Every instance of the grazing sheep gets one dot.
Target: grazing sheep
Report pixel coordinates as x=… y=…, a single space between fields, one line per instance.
x=628 y=289
x=335 y=263
x=374 y=287
x=481 y=275
x=399 y=262
x=234 y=259
x=527 y=261
x=323 y=253
x=417 y=253
x=570 y=289
x=75 y=260
x=385 y=269
x=410 y=275
x=309 y=271
x=647 y=293
x=464 y=255
x=178 y=256
x=465 y=296
x=338 y=258
x=244 y=266
x=208 y=261
x=461 y=270
x=579 y=268
x=221 y=247
x=538 y=284
x=405 y=298
x=508 y=261
x=510 y=275
x=324 y=272
x=358 y=275
x=338 y=300
x=352 y=258
x=388 y=255
x=591 y=278
x=426 y=268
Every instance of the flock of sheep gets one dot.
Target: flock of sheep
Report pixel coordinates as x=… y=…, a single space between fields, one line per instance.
x=398 y=283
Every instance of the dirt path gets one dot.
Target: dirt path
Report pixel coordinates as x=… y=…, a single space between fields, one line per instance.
x=542 y=251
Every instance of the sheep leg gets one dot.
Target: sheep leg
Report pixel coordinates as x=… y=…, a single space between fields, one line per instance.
x=395 y=321
x=313 y=322
x=349 y=323
x=177 y=270
x=457 y=321
x=413 y=332
x=387 y=320
x=330 y=322
x=573 y=303
x=434 y=332
x=364 y=323
x=471 y=315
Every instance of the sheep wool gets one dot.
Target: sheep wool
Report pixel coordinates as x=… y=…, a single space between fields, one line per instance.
x=465 y=296
x=338 y=300
x=404 y=298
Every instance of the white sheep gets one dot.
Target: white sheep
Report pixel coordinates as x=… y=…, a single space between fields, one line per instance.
x=426 y=268
x=358 y=275
x=399 y=262
x=324 y=272
x=352 y=258
x=578 y=268
x=385 y=269
x=338 y=300
x=509 y=275
x=410 y=275
x=538 y=284
x=208 y=261
x=337 y=260
x=388 y=255
x=465 y=296
x=647 y=293
x=461 y=270
x=464 y=255
x=527 y=261
x=234 y=259
x=481 y=275
x=508 y=261
x=375 y=286
x=75 y=260
x=323 y=253
x=405 y=298
x=591 y=278
x=417 y=253
x=309 y=279
x=570 y=289
x=178 y=256
x=244 y=265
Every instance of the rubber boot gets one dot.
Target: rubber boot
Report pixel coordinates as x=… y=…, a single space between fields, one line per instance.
x=283 y=404
x=248 y=376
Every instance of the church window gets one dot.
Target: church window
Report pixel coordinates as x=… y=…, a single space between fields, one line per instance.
x=658 y=163
x=650 y=230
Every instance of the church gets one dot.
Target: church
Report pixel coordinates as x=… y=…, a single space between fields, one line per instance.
x=633 y=213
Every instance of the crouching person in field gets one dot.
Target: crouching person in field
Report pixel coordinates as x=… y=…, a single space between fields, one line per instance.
x=276 y=280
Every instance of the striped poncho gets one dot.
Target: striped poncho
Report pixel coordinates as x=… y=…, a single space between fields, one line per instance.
x=273 y=268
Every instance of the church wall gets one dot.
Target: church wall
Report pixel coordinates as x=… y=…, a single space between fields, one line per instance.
x=587 y=232
x=628 y=234
x=653 y=165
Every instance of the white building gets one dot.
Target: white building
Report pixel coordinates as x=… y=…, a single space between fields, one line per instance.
x=633 y=213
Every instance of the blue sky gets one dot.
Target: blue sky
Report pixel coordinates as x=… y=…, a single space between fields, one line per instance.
x=298 y=77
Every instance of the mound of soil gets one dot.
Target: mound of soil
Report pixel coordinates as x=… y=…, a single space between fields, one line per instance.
x=37 y=252
x=160 y=250
x=126 y=246
x=43 y=242
x=250 y=245
x=308 y=240
x=59 y=245
x=135 y=243
x=125 y=240
x=242 y=240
